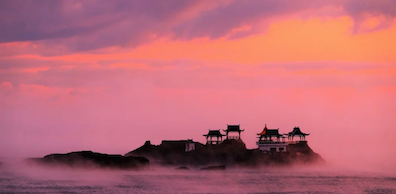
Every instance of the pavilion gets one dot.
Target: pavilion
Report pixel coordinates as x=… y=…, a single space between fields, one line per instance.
x=266 y=144
x=297 y=132
x=267 y=134
x=214 y=133
x=233 y=128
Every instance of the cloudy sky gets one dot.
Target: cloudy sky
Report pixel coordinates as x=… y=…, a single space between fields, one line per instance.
x=108 y=75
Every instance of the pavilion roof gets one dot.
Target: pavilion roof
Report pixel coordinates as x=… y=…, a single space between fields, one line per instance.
x=269 y=132
x=233 y=128
x=297 y=131
x=214 y=133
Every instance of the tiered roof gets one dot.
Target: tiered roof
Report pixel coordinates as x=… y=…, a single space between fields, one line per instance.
x=233 y=128
x=297 y=132
x=270 y=132
x=214 y=133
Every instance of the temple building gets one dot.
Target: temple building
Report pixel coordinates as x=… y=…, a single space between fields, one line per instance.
x=266 y=143
x=233 y=129
x=188 y=145
x=297 y=132
x=214 y=133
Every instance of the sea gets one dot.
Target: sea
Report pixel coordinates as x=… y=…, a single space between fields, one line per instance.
x=322 y=179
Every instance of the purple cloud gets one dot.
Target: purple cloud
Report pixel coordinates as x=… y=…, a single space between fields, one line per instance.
x=89 y=25
x=86 y=25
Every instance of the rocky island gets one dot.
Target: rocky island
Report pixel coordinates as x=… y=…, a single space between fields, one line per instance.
x=273 y=150
x=232 y=152
x=89 y=159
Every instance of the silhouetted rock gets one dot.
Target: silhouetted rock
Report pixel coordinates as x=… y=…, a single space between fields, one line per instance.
x=182 y=168
x=302 y=153
x=173 y=153
x=89 y=159
x=228 y=153
x=221 y=167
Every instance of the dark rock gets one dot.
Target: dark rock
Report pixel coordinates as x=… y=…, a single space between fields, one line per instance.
x=89 y=159
x=182 y=168
x=229 y=153
x=221 y=167
x=173 y=153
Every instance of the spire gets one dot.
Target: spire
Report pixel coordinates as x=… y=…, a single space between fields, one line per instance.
x=264 y=130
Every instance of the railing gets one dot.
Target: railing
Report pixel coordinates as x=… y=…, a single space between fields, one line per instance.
x=271 y=142
x=296 y=142
x=213 y=142
x=233 y=137
x=281 y=142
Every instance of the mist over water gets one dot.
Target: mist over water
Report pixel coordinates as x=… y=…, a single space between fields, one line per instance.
x=108 y=76
x=19 y=178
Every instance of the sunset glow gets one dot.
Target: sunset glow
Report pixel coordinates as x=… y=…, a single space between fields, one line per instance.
x=107 y=76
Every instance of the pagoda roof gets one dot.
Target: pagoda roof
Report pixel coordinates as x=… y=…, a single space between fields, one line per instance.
x=269 y=132
x=214 y=133
x=297 y=131
x=233 y=128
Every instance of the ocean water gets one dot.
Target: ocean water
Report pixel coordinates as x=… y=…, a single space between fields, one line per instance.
x=160 y=180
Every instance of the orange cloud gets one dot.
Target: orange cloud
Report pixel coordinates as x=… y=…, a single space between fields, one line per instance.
x=285 y=41
x=288 y=40
x=6 y=85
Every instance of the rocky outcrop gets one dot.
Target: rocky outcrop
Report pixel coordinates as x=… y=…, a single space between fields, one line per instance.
x=228 y=153
x=89 y=159
x=302 y=153
x=221 y=167
x=297 y=154
x=182 y=168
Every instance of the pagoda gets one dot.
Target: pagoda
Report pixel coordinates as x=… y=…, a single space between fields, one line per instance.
x=267 y=134
x=267 y=144
x=297 y=132
x=235 y=129
x=214 y=133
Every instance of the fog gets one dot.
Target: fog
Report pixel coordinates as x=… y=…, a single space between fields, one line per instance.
x=107 y=77
x=19 y=178
x=351 y=128
x=348 y=127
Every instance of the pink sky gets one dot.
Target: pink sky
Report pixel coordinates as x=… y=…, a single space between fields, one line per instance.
x=107 y=76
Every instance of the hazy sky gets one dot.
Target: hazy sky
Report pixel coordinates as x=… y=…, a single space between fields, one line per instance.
x=108 y=75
